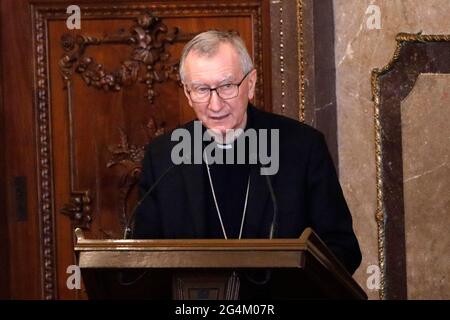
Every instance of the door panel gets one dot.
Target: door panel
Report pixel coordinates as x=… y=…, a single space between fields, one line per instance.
x=102 y=93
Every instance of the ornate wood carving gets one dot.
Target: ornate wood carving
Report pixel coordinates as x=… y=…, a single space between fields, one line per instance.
x=149 y=62
x=78 y=209
x=44 y=159
x=129 y=158
x=42 y=12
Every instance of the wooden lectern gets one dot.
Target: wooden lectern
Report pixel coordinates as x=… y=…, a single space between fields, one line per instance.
x=191 y=269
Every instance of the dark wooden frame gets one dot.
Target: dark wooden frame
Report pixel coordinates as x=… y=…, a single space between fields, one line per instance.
x=415 y=54
x=4 y=243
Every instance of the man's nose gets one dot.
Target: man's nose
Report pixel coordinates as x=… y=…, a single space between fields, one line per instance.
x=215 y=103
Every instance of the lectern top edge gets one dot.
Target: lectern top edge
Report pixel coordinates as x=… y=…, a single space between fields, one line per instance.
x=83 y=244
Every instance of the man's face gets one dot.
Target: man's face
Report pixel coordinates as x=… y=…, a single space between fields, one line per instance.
x=223 y=68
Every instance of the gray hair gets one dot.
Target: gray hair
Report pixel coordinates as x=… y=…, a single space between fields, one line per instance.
x=207 y=44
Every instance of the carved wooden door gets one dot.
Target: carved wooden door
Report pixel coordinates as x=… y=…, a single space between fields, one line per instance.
x=101 y=93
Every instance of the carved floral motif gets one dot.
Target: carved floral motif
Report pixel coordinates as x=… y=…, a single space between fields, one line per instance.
x=129 y=158
x=78 y=209
x=149 y=62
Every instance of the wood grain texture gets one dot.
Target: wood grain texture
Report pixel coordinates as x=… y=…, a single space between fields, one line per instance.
x=4 y=239
x=20 y=148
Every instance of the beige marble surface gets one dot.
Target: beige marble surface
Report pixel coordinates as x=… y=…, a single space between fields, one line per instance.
x=426 y=178
x=358 y=51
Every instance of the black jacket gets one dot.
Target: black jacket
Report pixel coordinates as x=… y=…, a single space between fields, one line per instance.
x=306 y=188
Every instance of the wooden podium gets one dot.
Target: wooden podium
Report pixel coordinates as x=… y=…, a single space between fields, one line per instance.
x=191 y=269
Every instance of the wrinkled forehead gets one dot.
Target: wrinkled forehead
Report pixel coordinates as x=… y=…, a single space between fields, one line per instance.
x=223 y=64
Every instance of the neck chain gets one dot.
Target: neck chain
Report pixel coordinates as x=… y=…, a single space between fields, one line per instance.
x=217 y=206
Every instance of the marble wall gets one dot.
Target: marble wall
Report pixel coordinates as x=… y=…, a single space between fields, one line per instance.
x=358 y=50
x=426 y=181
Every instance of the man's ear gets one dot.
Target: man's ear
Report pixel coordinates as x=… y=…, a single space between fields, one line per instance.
x=252 y=77
x=186 y=93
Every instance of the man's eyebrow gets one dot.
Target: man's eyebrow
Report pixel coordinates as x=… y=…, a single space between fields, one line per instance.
x=225 y=80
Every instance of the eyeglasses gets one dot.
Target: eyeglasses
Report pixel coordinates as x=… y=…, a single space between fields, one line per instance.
x=226 y=91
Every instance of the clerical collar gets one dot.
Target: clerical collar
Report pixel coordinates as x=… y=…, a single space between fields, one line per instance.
x=237 y=133
x=224 y=146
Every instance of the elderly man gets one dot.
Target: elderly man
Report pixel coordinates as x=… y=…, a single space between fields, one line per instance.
x=231 y=199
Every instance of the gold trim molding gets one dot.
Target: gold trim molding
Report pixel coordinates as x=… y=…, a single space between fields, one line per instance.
x=301 y=62
x=401 y=39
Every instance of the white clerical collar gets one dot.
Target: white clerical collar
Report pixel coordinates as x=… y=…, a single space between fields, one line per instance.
x=227 y=139
x=224 y=146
